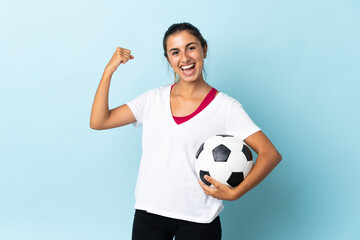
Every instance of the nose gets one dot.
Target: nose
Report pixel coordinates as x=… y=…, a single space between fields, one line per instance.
x=185 y=58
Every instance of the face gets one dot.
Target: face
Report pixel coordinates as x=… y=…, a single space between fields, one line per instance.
x=186 y=56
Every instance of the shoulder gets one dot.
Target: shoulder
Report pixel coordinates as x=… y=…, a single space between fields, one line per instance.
x=228 y=100
x=160 y=89
x=156 y=91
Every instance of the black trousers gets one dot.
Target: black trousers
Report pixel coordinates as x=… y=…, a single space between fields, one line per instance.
x=149 y=226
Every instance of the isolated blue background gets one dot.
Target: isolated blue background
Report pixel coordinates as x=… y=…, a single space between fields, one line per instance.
x=294 y=65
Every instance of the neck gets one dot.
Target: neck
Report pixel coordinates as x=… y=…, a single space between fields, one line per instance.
x=191 y=89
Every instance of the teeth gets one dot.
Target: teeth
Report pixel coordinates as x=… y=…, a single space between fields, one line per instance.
x=187 y=67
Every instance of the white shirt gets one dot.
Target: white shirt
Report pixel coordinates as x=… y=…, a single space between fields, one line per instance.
x=167 y=182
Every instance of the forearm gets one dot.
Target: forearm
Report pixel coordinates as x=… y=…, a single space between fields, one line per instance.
x=264 y=164
x=100 y=108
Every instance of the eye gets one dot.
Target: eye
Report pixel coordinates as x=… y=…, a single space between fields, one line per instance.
x=192 y=48
x=174 y=52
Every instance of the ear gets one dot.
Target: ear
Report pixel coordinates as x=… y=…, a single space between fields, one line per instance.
x=205 y=51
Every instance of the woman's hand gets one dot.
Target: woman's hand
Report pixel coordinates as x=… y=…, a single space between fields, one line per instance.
x=220 y=192
x=121 y=55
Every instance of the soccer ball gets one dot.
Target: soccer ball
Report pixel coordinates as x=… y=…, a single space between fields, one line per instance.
x=225 y=158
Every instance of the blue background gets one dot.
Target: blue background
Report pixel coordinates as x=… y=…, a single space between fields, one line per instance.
x=294 y=65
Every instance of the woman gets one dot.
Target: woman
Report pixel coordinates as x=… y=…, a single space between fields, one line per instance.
x=176 y=119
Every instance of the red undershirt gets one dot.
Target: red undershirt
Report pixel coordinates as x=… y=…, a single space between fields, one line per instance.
x=207 y=100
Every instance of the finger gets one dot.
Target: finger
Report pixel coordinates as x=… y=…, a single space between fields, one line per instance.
x=125 y=54
x=211 y=180
x=125 y=58
x=122 y=49
x=204 y=189
x=128 y=56
x=203 y=185
x=126 y=50
x=208 y=190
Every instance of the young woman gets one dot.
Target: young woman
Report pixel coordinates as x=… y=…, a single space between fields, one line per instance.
x=176 y=119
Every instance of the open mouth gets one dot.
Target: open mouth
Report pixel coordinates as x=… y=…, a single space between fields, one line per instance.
x=188 y=69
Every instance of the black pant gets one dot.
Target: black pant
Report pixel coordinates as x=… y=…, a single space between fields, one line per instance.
x=149 y=226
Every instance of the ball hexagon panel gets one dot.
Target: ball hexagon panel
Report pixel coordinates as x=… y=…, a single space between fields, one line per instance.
x=235 y=144
x=213 y=142
x=237 y=161
x=220 y=171
x=204 y=162
x=248 y=168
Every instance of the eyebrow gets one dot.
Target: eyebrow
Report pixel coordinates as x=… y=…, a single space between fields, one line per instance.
x=185 y=46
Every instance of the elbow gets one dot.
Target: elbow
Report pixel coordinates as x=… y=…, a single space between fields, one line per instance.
x=94 y=126
x=275 y=156
x=272 y=155
x=278 y=157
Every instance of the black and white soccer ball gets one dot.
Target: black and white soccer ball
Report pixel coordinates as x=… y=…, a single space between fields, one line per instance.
x=225 y=158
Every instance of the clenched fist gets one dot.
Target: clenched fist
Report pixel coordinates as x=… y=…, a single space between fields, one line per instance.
x=121 y=55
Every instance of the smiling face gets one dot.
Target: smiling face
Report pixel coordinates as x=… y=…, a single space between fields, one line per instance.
x=186 y=56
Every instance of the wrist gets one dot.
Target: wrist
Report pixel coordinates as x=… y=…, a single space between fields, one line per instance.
x=238 y=192
x=109 y=70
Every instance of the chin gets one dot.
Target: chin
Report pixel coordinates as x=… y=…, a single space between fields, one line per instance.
x=191 y=79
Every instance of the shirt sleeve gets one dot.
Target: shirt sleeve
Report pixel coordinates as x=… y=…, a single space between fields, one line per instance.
x=239 y=123
x=138 y=107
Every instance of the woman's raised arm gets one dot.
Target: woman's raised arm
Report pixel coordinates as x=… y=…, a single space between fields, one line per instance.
x=101 y=117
